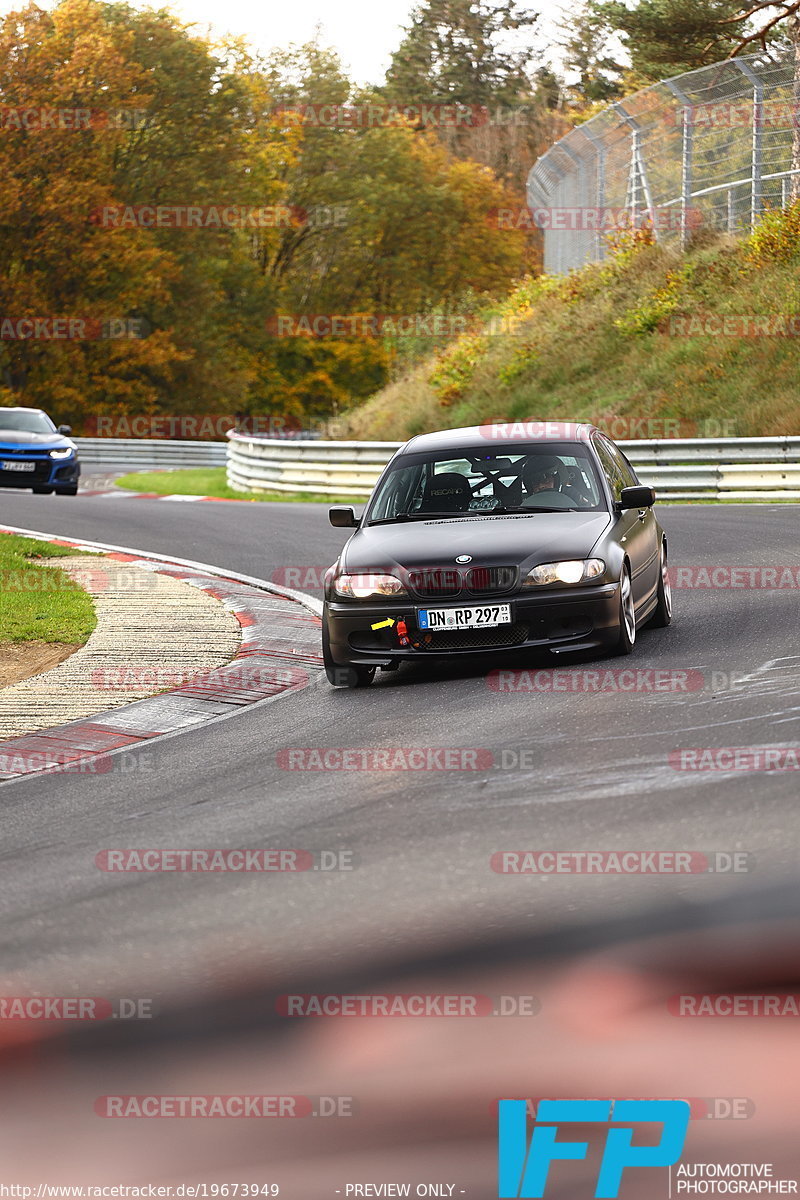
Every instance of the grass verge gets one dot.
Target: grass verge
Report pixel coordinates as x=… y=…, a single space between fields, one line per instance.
x=707 y=342
x=39 y=603
x=212 y=481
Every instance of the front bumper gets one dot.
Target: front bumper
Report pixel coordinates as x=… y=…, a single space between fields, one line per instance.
x=47 y=471
x=557 y=620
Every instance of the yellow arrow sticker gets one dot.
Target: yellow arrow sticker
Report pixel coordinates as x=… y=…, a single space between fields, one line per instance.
x=384 y=624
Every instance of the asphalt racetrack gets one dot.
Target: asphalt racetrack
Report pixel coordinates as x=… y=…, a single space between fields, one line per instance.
x=572 y=770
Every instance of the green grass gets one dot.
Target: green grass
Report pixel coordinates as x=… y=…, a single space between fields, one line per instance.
x=600 y=345
x=39 y=603
x=212 y=481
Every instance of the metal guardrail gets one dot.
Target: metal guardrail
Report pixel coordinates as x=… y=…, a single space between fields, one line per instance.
x=321 y=468
x=711 y=147
x=680 y=469
x=151 y=453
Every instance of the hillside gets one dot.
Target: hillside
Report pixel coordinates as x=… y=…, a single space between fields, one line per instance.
x=701 y=344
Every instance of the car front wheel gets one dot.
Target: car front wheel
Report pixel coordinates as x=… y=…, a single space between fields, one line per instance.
x=663 y=614
x=339 y=676
x=627 y=615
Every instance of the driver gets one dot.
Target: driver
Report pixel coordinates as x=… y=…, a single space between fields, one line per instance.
x=542 y=473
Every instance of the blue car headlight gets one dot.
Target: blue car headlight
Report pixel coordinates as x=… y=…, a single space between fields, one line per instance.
x=62 y=454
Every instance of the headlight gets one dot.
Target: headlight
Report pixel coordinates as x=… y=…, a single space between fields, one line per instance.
x=365 y=587
x=68 y=453
x=574 y=571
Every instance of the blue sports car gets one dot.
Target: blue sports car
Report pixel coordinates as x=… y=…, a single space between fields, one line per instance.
x=35 y=454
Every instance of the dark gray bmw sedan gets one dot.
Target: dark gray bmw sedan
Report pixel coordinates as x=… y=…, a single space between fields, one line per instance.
x=497 y=538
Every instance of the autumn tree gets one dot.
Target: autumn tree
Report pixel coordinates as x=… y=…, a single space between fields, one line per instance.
x=376 y=220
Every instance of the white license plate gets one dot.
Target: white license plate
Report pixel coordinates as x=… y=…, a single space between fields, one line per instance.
x=18 y=466
x=483 y=616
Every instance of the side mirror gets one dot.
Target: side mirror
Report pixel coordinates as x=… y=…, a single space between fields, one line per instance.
x=637 y=497
x=65 y=429
x=343 y=518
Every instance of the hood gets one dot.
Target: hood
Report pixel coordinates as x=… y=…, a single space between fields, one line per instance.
x=18 y=439
x=525 y=541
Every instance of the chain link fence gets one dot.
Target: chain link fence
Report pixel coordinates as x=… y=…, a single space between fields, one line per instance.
x=712 y=148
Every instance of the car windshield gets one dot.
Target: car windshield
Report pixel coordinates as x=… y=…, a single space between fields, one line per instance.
x=20 y=421
x=530 y=479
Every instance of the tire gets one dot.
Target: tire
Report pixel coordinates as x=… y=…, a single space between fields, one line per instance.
x=339 y=676
x=663 y=614
x=42 y=491
x=627 y=615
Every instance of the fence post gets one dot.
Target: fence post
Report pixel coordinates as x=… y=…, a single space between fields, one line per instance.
x=580 y=168
x=638 y=173
x=600 y=156
x=687 y=132
x=758 y=139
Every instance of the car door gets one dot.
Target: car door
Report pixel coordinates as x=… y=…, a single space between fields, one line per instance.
x=636 y=529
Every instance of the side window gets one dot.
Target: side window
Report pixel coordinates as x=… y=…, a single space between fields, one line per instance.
x=617 y=469
x=625 y=467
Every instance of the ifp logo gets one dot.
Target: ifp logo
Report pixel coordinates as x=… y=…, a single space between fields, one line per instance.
x=524 y=1170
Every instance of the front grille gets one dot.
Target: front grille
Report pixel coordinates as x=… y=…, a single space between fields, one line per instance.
x=491 y=579
x=477 y=639
x=436 y=582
